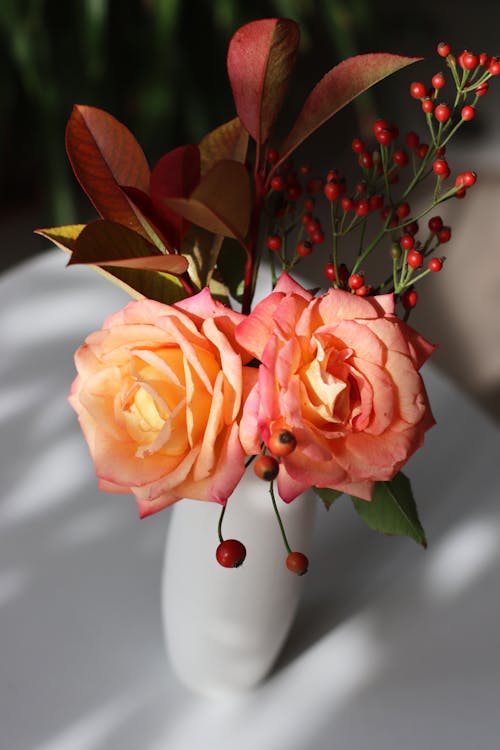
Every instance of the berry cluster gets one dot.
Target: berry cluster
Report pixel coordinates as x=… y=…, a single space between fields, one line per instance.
x=231 y=553
x=377 y=207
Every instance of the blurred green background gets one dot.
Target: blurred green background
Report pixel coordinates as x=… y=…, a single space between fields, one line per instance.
x=159 y=67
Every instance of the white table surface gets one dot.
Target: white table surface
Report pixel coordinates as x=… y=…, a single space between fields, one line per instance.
x=394 y=648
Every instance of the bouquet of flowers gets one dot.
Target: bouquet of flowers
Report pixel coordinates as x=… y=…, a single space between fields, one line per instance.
x=190 y=383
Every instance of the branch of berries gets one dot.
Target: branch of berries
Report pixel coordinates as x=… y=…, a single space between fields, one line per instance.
x=378 y=207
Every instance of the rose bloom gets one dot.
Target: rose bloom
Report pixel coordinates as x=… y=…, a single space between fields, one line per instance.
x=341 y=373
x=158 y=394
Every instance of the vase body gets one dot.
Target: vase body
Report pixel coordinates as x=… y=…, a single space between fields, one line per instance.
x=224 y=627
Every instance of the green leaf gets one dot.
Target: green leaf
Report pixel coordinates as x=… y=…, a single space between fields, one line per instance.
x=327 y=495
x=392 y=509
x=338 y=87
x=64 y=237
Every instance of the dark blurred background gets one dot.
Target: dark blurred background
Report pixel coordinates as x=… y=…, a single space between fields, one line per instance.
x=159 y=67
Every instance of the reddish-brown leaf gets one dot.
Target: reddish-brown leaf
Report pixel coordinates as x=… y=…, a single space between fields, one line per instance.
x=338 y=87
x=64 y=237
x=222 y=201
x=175 y=176
x=105 y=155
x=228 y=141
x=260 y=60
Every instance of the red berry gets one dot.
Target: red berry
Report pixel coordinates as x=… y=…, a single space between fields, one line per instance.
x=379 y=125
x=468 y=112
x=414 y=259
x=306 y=218
x=417 y=90
x=469 y=179
x=347 y=204
x=427 y=105
x=332 y=176
x=266 y=467
x=274 y=242
x=468 y=60
x=403 y=210
x=412 y=227
x=412 y=140
x=400 y=157
x=362 y=207
x=435 y=223
x=482 y=89
x=358 y=146
x=422 y=150
x=409 y=298
x=494 y=67
x=272 y=156
x=484 y=60
x=230 y=553
x=313 y=226
x=443 y=49
x=376 y=202
x=304 y=248
x=332 y=191
x=329 y=271
x=355 y=281
x=278 y=183
x=282 y=442
x=444 y=234
x=363 y=291
x=317 y=237
x=442 y=112
x=441 y=168
x=407 y=242
x=438 y=81
x=296 y=562
x=309 y=204
x=293 y=192
x=384 y=137
x=435 y=264
x=304 y=170
x=366 y=160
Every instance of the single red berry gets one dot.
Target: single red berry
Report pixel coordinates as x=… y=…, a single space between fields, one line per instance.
x=469 y=179
x=304 y=170
x=441 y=168
x=444 y=234
x=412 y=140
x=360 y=188
x=438 y=81
x=440 y=151
x=293 y=192
x=407 y=242
x=442 y=112
x=482 y=89
x=272 y=156
x=304 y=248
x=347 y=204
x=384 y=137
x=362 y=207
x=422 y=150
x=358 y=146
x=468 y=112
x=332 y=175
x=427 y=105
x=332 y=191
x=403 y=210
x=435 y=264
x=266 y=467
x=278 y=183
x=468 y=60
x=376 y=202
x=230 y=553
x=317 y=237
x=366 y=160
x=355 y=281
x=329 y=271
x=363 y=291
x=274 y=242
x=494 y=67
x=443 y=49
x=435 y=223
x=412 y=227
x=415 y=259
x=309 y=204
x=409 y=298
x=461 y=193
x=306 y=218
x=400 y=157
x=297 y=563
x=282 y=442
x=417 y=90
x=484 y=60
x=313 y=226
x=379 y=125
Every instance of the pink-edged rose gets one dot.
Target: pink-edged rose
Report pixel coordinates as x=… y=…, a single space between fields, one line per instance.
x=159 y=393
x=341 y=372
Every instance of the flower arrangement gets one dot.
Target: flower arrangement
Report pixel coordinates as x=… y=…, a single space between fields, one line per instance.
x=179 y=392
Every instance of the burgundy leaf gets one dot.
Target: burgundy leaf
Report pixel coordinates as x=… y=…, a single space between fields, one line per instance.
x=260 y=60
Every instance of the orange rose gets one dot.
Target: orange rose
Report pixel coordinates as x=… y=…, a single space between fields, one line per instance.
x=340 y=372
x=158 y=394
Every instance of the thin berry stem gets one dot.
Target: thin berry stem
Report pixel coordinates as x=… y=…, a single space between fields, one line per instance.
x=280 y=522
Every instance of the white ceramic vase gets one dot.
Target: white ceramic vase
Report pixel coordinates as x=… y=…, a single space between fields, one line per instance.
x=224 y=627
